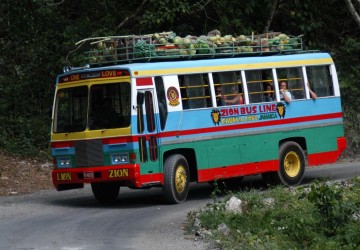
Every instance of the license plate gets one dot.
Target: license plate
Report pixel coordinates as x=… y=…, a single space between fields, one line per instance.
x=88 y=175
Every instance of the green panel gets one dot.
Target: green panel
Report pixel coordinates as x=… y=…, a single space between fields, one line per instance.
x=323 y=139
x=73 y=161
x=216 y=155
x=258 y=147
x=150 y=167
x=107 y=160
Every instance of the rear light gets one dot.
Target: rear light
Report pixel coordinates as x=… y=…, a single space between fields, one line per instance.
x=132 y=157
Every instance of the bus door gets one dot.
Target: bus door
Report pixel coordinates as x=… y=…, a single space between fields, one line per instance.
x=147 y=128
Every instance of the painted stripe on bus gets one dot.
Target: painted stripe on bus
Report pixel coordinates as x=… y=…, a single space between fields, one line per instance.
x=236 y=133
x=206 y=69
x=226 y=64
x=251 y=168
x=248 y=128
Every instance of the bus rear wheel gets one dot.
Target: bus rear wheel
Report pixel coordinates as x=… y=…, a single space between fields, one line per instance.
x=105 y=192
x=291 y=166
x=176 y=179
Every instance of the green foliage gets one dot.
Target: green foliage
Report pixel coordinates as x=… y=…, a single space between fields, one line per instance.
x=349 y=73
x=160 y=12
x=333 y=210
x=38 y=39
x=25 y=136
x=321 y=216
x=351 y=113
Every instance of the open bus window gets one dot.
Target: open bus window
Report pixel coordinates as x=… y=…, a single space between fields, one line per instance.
x=160 y=91
x=149 y=107
x=140 y=111
x=70 y=110
x=320 y=80
x=195 y=91
x=109 y=106
x=294 y=80
x=260 y=85
x=228 y=88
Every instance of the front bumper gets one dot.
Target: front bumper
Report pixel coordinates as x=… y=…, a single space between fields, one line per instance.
x=128 y=174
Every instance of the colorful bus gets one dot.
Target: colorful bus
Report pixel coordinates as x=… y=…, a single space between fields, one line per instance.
x=165 y=123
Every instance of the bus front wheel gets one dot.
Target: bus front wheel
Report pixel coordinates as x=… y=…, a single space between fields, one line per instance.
x=105 y=192
x=176 y=179
x=291 y=165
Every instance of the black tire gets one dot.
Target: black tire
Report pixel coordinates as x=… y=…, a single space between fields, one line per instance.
x=105 y=192
x=176 y=179
x=291 y=166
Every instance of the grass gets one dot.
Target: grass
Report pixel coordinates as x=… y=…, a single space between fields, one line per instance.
x=323 y=215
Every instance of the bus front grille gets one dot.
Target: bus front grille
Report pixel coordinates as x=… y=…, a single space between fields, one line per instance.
x=89 y=153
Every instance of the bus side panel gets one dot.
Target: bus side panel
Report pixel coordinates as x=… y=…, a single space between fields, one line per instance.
x=246 y=140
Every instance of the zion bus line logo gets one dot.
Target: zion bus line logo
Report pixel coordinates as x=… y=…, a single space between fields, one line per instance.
x=216 y=116
x=280 y=108
x=234 y=115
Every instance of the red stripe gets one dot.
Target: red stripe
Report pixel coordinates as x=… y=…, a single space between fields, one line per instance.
x=63 y=144
x=134 y=172
x=129 y=139
x=144 y=81
x=252 y=125
x=123 y=139
x=211 y=174
x=204 y=175
x=134 y=177
x=328 y=157
x=150 y=178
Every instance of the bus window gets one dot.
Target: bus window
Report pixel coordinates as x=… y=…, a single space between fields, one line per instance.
x=294 y=80
x=71 y=107
x=320 y=80
x=109 y=106
x=140 y=112
x=195 y=91
x=230 y=86
x=149 y=107
x=160 y=91
x=260 y=85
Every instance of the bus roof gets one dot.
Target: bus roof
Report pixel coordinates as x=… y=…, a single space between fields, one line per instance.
x=146 y=69
x=225 y=64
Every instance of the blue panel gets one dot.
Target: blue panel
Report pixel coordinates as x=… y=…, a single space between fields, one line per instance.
x=63 y=151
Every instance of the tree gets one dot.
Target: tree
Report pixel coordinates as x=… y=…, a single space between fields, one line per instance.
x=37 y=38
x=271 y=15
x=353 y=11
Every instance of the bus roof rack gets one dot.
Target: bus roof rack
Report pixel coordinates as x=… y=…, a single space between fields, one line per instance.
x=167 y=46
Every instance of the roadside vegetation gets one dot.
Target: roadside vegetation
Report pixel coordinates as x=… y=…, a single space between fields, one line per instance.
x=35 y=47
x=323 y=215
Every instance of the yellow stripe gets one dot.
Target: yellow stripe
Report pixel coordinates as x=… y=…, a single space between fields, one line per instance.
x=139 y=118
x=92 y=81
x=142 y=150
x=95 y=134
x=204 y=69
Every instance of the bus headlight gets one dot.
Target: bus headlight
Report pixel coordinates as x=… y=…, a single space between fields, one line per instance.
x=63 y=162
x=119 y=158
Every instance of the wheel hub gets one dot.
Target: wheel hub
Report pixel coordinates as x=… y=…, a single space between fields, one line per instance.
x=180 y=179
x=292 y=164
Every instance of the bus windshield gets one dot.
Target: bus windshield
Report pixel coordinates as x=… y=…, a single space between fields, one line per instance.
x=108 y=106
